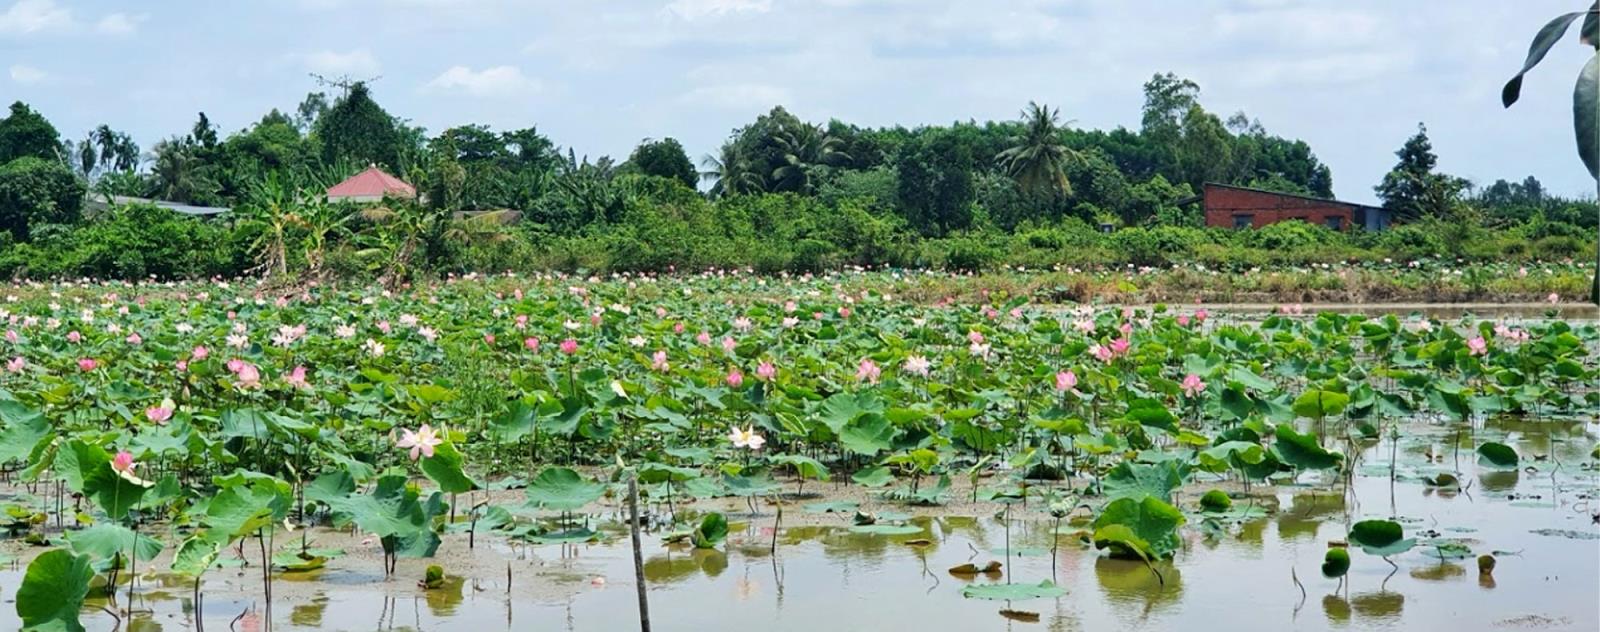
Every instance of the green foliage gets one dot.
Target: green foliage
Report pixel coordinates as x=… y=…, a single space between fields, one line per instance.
x=713 y=529
x=663 y=158
x=35 y=191
x=53 y=590
x=24 y=133
x=1335 y=563
x=563 y=489
x=1144 y=529
x=1216 y=500
x=357 y=130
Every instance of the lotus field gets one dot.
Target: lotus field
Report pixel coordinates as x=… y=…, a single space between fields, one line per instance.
x=212 y=442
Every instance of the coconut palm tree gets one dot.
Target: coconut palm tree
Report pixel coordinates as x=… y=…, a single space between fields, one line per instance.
x=730 y=173
x=1037 y=158
x=802 y=148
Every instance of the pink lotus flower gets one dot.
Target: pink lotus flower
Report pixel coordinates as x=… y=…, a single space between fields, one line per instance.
x=11 y=336
x=658 y=361
x=743 y=323
x=1066 y=381
x=868 y=371
x=87 y=364
x=488 y=339
x=522 y=321
x=917 y=365
x=844 y=312
x=766 y=371
x=677 y=328
x=704 y=338
x=74 y=337
x=661 y=312
x=1120 y=346
x=531 y=344
x=975 y=337
x=182 y=366
x=735 y=378
x=1202 y=315
x=123 y=463
x=1192 y=385
x=383 y=326
x=159 y=414
x=1126 y=329
x=297 y=378
x=1102 y=353
x=789 y=307
x=199 y=353
x=420 y=443
x=16 y=365
x=1183 y=320
x=1478 y=346
x=729 y=344
x=134 y=339
x=235 y=365
x=1553 y=298
x=569 y=346
x=249 y=376
x=746 y=438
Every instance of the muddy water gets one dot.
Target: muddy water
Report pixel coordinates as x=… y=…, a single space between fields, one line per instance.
x=827 y=578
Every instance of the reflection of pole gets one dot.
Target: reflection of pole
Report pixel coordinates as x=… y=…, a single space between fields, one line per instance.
x=638 y=553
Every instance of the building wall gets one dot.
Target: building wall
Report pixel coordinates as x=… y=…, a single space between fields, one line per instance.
x=1224 y=204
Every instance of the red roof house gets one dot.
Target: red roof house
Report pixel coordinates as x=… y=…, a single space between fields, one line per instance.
x=370 y=185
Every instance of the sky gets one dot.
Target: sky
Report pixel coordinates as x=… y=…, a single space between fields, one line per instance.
x=1353 y=78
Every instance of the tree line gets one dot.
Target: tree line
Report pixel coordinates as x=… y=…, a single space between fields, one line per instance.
x=833 y=192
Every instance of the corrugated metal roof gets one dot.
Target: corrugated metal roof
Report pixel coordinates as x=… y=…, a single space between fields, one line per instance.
x=97 y=202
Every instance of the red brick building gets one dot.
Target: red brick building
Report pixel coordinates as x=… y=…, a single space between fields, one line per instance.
x=1239 y=207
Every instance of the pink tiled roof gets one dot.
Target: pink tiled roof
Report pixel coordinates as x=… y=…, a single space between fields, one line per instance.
x=372 y=183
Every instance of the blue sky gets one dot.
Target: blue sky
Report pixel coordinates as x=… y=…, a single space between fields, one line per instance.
x=1352 y=77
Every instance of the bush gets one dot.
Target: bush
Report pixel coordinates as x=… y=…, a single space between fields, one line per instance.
x=34 y=191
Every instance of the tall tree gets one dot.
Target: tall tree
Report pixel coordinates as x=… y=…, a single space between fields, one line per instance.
x=936 y=182
x=1038 y=157
x=25 y=132
x=357 y=130
x=1412 y=190
x=729 y=173
x=663 y=158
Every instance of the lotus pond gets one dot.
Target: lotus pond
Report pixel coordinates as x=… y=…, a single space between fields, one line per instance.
x=806 y=452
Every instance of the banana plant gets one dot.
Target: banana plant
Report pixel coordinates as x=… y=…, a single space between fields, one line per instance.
x=1585 y=95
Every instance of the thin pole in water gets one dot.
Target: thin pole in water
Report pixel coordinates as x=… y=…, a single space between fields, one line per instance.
x=638 y=553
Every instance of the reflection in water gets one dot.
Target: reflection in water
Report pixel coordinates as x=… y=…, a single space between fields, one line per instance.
x=442 y=601
x=1133 y=583
x=1499 y=480
x=310 y=614
x=1438 y=572
x=1336 y=608
x=1378 y=606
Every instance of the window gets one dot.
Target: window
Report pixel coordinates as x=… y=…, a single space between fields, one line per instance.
x=1335 y=222
x=1243 y=220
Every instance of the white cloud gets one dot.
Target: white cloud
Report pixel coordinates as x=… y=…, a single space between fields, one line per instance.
x=119 y=23
x=694 y=9
x=26 y=74
x=27 y=16
x=495 y=81
x=738 y=96
x=359 y=62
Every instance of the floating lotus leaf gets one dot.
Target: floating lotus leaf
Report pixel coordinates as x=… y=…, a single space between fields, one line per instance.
x=1014 y=592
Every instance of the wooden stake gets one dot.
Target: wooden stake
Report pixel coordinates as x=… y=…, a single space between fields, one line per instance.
x=638 y=553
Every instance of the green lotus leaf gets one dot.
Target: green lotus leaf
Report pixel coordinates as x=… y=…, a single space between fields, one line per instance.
x=1303 y=450
x=445 y=469
x=52 y=592
x=713 y=529
x=107 y=540
x=1152 y=522
x=563 y=489
x=879 y=476
x=1498 y=455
